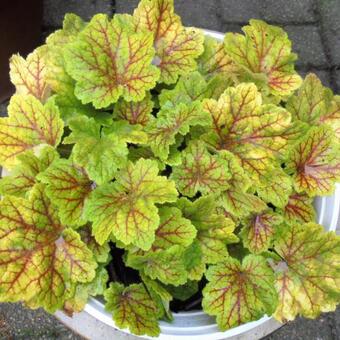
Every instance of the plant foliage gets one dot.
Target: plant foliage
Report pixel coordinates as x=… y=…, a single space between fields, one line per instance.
x=197 y=160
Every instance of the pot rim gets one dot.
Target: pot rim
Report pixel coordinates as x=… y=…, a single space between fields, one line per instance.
x=204 y=326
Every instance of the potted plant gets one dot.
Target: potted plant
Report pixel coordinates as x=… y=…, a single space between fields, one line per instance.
x=167 y=171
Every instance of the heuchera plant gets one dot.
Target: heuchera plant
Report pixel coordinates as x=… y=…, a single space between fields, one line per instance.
x=155 y=165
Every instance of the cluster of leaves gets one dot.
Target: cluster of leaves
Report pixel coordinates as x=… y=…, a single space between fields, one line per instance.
x=199 y=158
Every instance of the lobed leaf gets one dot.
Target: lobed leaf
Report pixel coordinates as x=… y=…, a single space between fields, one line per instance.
x=40 y=258
x=29 y=124
x=176 y=47
x=171 y=122
x=299 y=209
x=315 y=104
x=237 y=200
x=314 y=162
x=23 y=176
x=265 y=51
x=101 y=154
x=215 y=60
x=68 y=187
x=307 y=277
x=29 y=75
x=237 y=293
x=259 y=230
x=109 y=61
x=135 y=112
x=255 y=133
x=127 y=208
x=83 y=291
x=275 y=187
x=200 y=171
x=173 y=229
x=167 y=266
x=132 y=308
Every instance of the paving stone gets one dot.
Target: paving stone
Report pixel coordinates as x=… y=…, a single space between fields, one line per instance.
x=22 y=323
x=330 y=14
x=288 y=11
x=322 y=328
x=276 y=11
x=212 y=14
x=307 y=44
x=55 y=10
x=123 y=6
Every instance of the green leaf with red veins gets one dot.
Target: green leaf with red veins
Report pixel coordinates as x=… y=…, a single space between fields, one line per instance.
x=40 y=258
x=83 y=291
x=204 y=215
x=255 y=133
x=127 y=208
x=133 y=308
x=239 y=292
x=214 y=60
x=214 y=231
x=171 y=122
x=173 y=229
x=265 y=51
x=23 y=176
x=237 y=200
x=135 y=112
x=167 y=266
x=259 y=230
x=109 y=61
x=190 y=88
x=28 y=125
x=200 y=171
x=299 y=209
x=315 y=104
x=56 y=76
x=311 y=101
x=275 y=187
x=308 y=277
x=160 y=296
x=176 y=47
x=126 y=132
x=29 y=75
x=68 y=187
x=101 y=253
x=99 y=153
x=314 y=162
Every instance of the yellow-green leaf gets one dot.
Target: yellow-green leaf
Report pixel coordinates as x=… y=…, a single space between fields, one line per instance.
x=29 y=75
x=239 y=292
x=132 y=308
x=109 y=61
x=265 y=51
x=40 y=258
x=176 y=47
x=127 y=208
x=308 y=276
x=314 y=162
x=28 y=125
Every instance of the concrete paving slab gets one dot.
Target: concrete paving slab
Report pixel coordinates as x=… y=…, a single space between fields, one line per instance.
x=55 y=10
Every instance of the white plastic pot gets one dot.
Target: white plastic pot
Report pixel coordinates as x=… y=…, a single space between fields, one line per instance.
x=198 y=325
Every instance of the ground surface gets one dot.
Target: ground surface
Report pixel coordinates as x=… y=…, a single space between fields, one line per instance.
x=313 y=26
